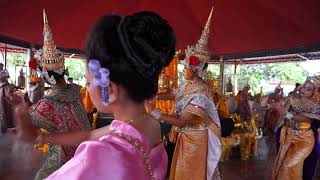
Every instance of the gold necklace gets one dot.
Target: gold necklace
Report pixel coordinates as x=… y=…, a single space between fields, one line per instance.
x=131 y=120
x=139 y=147
x=128 y=121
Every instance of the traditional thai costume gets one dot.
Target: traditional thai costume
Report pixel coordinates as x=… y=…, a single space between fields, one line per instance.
x=61 y=110
x=296 y=139
x=310 y=163
x=123 y=153
x=198 y=147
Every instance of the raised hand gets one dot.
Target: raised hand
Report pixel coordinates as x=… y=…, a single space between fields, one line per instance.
x=25 y=130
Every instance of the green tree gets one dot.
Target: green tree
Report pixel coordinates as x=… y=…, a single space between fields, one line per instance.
x=16 y=59
x=76 y=68
x=277 y=72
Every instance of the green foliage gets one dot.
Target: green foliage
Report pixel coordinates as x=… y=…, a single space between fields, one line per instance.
x=214 y=69
x=76 y=68
x=276 y=72
x=16 y=59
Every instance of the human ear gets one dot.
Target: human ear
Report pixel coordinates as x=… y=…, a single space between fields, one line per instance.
x=113 y=92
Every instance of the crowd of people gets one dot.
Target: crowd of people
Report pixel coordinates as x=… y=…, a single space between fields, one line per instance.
x=292 y=122
x=125 y=56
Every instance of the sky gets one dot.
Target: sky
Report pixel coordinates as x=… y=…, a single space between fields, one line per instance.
x=313 y=66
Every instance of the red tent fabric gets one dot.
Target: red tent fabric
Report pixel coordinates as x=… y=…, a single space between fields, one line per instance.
x=238 y=27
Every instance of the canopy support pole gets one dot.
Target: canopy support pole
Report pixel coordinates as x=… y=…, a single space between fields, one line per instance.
x=5 y=56
x=222 y=75
x=235 y=89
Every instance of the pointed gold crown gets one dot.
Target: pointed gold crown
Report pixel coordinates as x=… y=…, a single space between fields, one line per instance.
x=315 y=79
x=49 y=57
x=201 y=49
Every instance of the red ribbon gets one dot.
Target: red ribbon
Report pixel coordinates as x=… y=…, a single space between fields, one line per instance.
x=33 y=64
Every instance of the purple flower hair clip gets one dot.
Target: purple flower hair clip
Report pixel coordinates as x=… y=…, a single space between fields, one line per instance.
x=100 y=78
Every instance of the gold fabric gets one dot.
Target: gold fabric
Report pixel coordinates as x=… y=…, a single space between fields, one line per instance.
x=190 y=156
x=191 y=151
x=295 y=147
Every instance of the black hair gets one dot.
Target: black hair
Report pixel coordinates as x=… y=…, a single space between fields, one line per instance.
x=70 y=79
x=205 y=67
x=56 y=76
x=134 y=48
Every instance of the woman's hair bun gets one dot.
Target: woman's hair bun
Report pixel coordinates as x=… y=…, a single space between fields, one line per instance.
x=148 y=42
x=134 y=48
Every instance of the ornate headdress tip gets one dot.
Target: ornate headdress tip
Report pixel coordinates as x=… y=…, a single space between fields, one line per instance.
x=202 y=47
x=45 y=19
x=209 y=18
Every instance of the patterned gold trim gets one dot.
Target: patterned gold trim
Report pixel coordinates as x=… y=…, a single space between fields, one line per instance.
x=137 y=144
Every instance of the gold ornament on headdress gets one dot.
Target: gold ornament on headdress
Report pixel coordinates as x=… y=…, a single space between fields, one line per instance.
x=49 y=57
x=315 y=79
x=201 y=49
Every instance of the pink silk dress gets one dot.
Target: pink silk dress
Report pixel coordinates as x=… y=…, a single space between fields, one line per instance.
x=114 y=158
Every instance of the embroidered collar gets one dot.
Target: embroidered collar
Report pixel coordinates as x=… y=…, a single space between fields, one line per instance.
x=69 y=93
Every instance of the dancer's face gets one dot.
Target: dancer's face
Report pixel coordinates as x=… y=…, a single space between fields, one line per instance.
x=307 y=90
x=188 y=73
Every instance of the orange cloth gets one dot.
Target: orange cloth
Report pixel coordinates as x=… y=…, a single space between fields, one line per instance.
x=83 y=91
x=88 y=105
x=296 y=145
x=190 y=156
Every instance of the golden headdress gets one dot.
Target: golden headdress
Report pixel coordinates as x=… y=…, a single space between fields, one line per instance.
x=315 y=79
x=201 y=49
x=49 y=57
x=198 y=56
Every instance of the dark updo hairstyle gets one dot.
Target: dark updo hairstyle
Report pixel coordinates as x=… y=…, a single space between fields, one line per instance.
x=134 y=48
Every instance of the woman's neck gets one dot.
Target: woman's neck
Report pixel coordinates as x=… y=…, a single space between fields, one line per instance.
x=129 y=111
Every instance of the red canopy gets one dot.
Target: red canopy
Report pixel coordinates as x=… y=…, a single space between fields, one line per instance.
x=238 y=27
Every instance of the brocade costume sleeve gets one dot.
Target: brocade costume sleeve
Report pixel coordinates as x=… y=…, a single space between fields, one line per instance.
x=44 y=116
